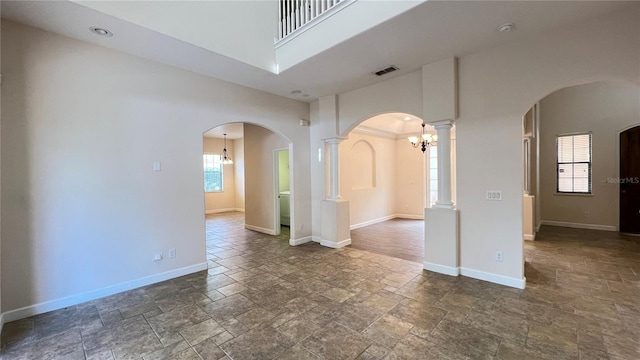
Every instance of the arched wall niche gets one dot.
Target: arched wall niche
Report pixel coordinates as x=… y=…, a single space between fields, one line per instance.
x=363 y=165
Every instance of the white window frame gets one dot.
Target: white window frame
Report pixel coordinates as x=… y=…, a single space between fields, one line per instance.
x=215 y=158
x=589 y=191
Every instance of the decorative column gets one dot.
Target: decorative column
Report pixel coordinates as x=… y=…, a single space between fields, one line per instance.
x=335 y=230
x=334 y=168
x=443 y=129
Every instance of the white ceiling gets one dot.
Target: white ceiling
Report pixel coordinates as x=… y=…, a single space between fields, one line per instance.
x=427 y=33
x=233 y=131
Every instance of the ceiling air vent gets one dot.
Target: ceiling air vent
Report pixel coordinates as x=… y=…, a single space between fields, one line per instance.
x=386 y=70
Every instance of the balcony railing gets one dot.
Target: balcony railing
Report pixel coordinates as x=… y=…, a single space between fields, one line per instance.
x=294 y=14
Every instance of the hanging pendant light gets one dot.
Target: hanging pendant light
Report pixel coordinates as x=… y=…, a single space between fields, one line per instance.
x=424 y=140
x=226 y=159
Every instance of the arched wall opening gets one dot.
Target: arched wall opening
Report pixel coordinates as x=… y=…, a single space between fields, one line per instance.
x=384 y=177
x=572 y=156
x=258 y=172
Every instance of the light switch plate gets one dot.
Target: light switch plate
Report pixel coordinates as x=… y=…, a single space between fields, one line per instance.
x=494 y=195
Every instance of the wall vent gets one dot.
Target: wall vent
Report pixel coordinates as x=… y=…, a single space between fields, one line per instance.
x=386 y=70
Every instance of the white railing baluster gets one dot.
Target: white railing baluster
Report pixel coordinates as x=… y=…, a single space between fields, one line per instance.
x=294 y=14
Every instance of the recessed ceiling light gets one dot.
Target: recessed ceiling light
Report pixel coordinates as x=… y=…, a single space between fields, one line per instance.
x=296 y=92
x=506 y=27
x=101 y=31
x=406 y=118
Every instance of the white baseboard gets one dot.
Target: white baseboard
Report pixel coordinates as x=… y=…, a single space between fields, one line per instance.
x=371 y=222
x=335 y=245
x=317 y=239
x=579 y=225
x=442 y=269
x=494 y=278
x=529 y=236
x=51 y=305
x=216 y=211
x=386 y=218
x=1 y=322
x=260 y=229
x=304 y=240
x=409 y=216
x=538 y=226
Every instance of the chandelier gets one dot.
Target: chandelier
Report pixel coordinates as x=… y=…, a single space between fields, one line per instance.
x=226 y=159
x=424 y=140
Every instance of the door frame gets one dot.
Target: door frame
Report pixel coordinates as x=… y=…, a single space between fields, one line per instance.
x=620 y=131
x=276 y=189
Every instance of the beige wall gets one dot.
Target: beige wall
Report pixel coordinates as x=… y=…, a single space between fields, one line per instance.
x=260 y=165
x=603 y=108
x=224 y=200
x=238 y=168
x=396 y=189
x=83 y=210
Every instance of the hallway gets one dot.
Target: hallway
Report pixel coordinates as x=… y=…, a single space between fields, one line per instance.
x=263 y=299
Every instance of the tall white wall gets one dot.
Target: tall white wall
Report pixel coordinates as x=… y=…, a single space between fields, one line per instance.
x=489 y=130
x=605 y=109
x=260 y=189
x=226 y=199
x=83 y=210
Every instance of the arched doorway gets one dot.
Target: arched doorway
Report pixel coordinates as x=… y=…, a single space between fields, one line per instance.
x=577 y=163
x=243 y=179
x=388 y=183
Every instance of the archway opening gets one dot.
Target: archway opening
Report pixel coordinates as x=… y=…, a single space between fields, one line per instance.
x=245 y=171
x=388 y=182
x=574 y=184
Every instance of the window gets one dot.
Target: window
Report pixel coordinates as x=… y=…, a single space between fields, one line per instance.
x=212 y=173
x=574 y=163
x=433 y=175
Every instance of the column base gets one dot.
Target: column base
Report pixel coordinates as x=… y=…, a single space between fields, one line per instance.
x=441 y=243
x=335 y=231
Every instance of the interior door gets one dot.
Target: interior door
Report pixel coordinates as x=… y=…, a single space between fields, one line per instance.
x=630 y=181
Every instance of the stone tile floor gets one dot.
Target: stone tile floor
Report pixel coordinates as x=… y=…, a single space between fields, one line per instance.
x=262 y=299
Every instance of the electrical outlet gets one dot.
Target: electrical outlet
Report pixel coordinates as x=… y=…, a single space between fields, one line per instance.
x=172 y=253
x=157 y=256
x=586 y=214
x=498 y=255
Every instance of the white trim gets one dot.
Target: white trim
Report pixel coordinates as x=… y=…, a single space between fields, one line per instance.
x=304 y=240
x=410 y=216
x=371 y=222
x=315 y=238
x=56 y=304
x=386 y=218
x=1 y=322
x=494 y=278
x=216 y=211
x=538 y=226
x=260 y=229
x=579 y=225
x=442 y=269
x=375 y=132
x=335 y=245
x=529 y=236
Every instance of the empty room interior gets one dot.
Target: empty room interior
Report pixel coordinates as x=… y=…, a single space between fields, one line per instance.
x=319 y=179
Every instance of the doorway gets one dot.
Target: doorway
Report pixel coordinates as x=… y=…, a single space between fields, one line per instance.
x=283 y=189
x=630 y=181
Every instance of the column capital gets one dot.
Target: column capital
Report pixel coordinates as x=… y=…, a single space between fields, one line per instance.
x=335 y=140
x=442 y=124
